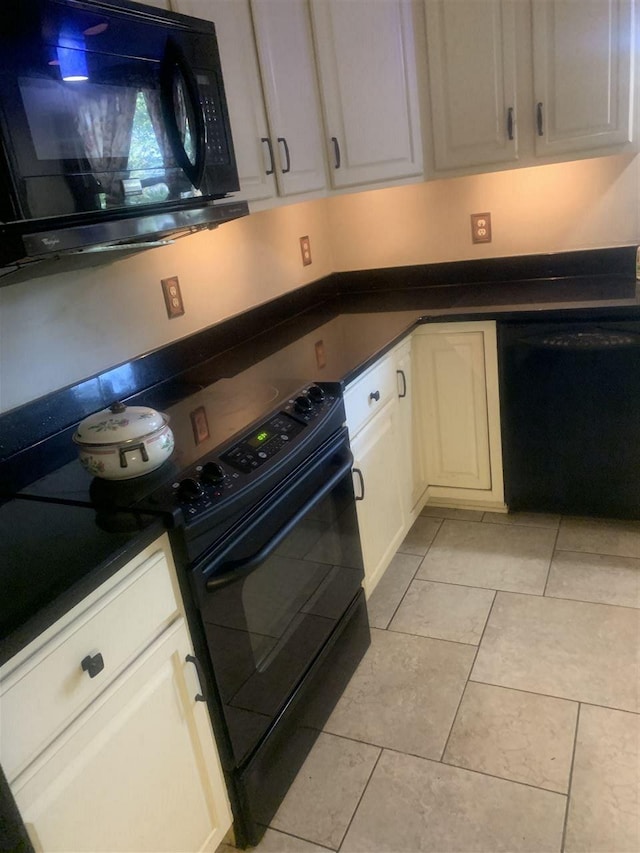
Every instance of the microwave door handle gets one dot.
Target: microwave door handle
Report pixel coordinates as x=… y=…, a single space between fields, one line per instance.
x=237 y=569
x=174 y=62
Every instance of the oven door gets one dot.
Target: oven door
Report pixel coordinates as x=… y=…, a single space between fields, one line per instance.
x=274 y=592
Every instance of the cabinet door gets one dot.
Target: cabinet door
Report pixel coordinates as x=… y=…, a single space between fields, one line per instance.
x=138 y=770
x=244 y=93
x=285 y=51
x=409 y=450
x=369 y=92
x=472 y=81
x=582 y=61
x=454 y=409
x=381 y=516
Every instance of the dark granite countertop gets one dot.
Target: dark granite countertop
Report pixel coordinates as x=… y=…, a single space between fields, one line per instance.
x=52 y=556
x=357 y=317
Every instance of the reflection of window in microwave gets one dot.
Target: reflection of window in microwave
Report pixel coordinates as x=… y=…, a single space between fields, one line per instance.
x=115 y=128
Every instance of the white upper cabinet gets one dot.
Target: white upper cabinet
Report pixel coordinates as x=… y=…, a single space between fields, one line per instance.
x=519 y=81
x=247 y=114
x=582 y=54
x=471 y=53
x=285 y=52
x=367 y=74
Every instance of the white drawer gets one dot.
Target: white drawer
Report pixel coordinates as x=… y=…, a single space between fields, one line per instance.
x=367 y=395
x=44 y=694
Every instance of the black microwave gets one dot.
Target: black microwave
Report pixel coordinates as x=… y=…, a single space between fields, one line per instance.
x=113 y=127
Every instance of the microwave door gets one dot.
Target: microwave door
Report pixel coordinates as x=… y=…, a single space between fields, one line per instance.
x=182 y=113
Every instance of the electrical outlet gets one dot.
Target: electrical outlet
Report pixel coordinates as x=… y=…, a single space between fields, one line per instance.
x=481 y=227
x=305 y=248
x=172 y=297
x=321 y=356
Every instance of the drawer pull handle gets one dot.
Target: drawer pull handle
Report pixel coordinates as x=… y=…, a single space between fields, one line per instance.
x=402 y=375
x=199 y=697
x=357 y=471
x=374 y=395
x=93 y=664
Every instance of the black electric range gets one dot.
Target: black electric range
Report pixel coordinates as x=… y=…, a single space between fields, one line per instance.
x=259 y=503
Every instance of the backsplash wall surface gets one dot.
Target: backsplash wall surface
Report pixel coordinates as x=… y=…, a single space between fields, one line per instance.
x=59 y=329
x=579 y=205
x=62 y=328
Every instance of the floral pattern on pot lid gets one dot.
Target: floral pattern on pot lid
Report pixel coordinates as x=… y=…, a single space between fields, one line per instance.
x=119 y=423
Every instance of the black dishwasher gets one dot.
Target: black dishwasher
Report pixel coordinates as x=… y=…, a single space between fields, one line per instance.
x=570 y=403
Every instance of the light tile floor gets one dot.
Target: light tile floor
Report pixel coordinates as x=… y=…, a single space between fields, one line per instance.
x=498 y=706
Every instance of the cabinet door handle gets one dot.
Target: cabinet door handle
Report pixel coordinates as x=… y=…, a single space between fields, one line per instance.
x=401 y=373
x=92 y=664
x=282 y=141
x=199 y=697
x=357 y=471
x=374 y=395
x=336 y=151
x=510 y=123
x=539 y=118
x=266 y=141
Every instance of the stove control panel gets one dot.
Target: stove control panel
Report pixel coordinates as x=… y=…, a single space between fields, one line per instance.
x=263 y=443
x=225 y=473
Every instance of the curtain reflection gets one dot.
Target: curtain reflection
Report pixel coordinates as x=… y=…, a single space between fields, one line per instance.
x=104 y=117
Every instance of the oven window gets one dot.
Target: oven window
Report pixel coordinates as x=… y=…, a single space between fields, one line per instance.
x=265 y=630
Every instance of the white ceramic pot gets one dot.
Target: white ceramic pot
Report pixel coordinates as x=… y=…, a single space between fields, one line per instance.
x=123 y=442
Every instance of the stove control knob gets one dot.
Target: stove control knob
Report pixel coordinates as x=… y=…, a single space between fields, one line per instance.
x=190 y=490
x=212 y=474
x=302 y=404
x=316 y=393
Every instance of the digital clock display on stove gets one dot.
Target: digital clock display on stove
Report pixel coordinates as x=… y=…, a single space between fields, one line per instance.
x=260 y=438
x=263 y=443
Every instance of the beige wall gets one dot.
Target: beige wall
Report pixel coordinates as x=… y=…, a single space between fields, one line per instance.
x=580 y=205
x=62 y=328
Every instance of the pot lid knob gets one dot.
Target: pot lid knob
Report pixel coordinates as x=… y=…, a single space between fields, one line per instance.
x=117 y=408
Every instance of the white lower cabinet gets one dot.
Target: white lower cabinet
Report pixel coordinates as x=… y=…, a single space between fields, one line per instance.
x=409 y=448
x=135 y=768
x=378 y=487
x=388 y=479
x=456 y=373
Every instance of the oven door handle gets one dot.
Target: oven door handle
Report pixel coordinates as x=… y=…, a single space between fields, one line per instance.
x=237 y=569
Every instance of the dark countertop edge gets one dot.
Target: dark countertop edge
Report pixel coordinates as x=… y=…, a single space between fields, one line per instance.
x=35 y=436
x=544 y=314
x=44 y=618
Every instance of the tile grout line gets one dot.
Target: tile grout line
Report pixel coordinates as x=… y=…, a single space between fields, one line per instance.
x=538 y=595
x=597 y=554
x=413 y=577
x=553 y=696
x=570 y=785
x=429 y=637
x=553 y=553
x=589 y=601
x=360 y=798
x=477 y=772
x=464 y=689
x=297 y=837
